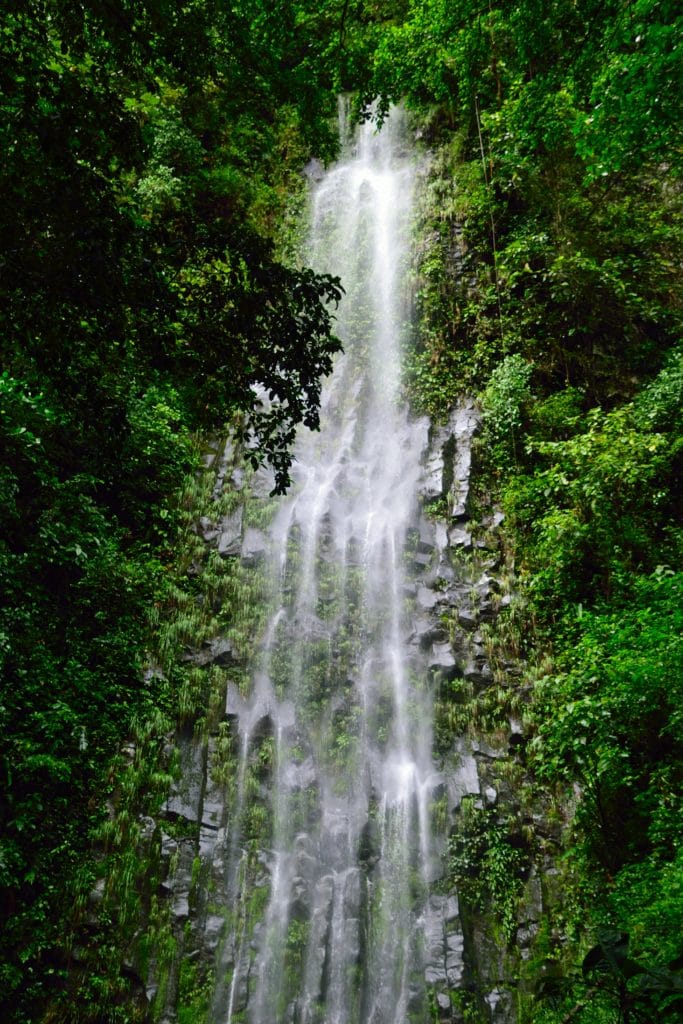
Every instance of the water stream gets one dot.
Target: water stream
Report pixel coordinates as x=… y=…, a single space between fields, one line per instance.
x=339 y=717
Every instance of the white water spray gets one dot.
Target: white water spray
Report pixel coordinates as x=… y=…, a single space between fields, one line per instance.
x=350 y=854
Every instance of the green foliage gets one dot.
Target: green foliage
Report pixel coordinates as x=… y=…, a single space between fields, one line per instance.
x=648 y=899
x=193 y=994
x=615 y=986
x=635 y=89
x=505 y=395
x=588 y=512
x=659 y=406
x=526 y=250
x=486 y=865
x=558 y=74
x=612 y=719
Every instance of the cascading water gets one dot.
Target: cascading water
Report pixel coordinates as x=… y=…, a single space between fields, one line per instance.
x=328 y=854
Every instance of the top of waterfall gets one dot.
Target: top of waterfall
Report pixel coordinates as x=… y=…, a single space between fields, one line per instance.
x=368 y=141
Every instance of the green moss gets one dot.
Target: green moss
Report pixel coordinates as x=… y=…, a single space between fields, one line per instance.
x=194 y=993
x=486 y=866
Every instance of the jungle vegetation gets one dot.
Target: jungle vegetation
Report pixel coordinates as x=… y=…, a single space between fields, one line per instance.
x=149 y=150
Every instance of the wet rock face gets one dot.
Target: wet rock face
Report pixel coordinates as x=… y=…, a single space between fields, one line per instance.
x=214 y=652
x=228 y=534
x=254 y=547
x=218 y=829
x=223 y=862
x=448 y=464
x=444 y=944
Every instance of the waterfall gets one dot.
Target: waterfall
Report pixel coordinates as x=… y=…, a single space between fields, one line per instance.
x=327 y=858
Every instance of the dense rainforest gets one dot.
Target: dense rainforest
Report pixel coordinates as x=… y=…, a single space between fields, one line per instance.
x=151 y=171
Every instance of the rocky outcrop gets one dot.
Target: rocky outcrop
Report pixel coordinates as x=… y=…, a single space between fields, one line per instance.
x=448 y=464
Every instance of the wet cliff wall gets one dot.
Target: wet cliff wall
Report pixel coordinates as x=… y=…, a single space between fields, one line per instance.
x=497 y=875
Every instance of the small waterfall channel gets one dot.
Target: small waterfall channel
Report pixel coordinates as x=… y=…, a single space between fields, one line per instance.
x=320 y=853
